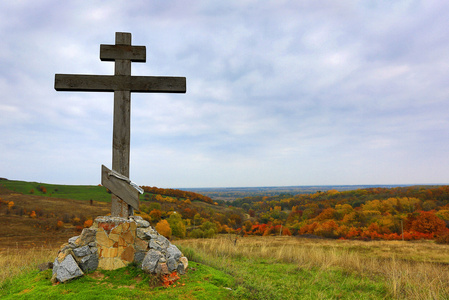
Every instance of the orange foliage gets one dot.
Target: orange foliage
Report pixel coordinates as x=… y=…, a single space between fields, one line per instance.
x=88 y=223
x=155 y=215
x=59 y=224
x=43 y=189
x=286 y=231
x=33 y=214
x=164 y=228
x=169 y=279
x=443 y=237
x=427 y=222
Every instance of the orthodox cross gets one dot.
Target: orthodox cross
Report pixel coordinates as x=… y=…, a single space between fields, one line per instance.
x=122 y=84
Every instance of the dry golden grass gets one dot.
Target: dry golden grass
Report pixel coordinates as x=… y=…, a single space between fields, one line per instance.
x=15 y=261
x=412 y=270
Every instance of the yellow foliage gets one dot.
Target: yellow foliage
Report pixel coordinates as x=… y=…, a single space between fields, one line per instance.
x=343 y=208
x=332 y=192
x=371 y=212
x=443 y=214
x=164 y=228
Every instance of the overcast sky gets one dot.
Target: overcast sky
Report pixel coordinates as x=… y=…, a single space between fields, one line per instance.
x=278 y=92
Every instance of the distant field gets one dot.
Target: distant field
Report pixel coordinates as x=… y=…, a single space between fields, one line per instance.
x=76 y=192
x=232 y=193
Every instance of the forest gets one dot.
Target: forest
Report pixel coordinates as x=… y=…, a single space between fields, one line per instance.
x=401 y=213
x=381 y=213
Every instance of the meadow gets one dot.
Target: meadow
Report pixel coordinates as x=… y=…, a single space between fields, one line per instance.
x=270 y=267
x=36 y=221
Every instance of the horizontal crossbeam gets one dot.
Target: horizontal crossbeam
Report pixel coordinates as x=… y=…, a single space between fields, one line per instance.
x=126 y=52
x=108 y=83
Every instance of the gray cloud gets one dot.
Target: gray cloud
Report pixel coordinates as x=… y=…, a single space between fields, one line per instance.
x=278 y=93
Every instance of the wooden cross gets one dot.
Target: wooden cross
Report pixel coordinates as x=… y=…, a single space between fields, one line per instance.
x=122 y=84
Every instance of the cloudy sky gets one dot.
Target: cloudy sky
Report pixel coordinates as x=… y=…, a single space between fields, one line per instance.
x=278 y=92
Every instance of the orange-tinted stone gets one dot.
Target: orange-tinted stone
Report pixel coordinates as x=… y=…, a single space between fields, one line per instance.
x=113 y=236
x=128 y=237
x=125 y=227
x=103 y=239
x=121 y=242
x=106 y=226
x=110 y=263
x=128 y=254
x=118 y=229
x=109 y=252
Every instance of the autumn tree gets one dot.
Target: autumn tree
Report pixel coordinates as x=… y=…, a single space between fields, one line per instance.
x=177 y=225
x=427 y=222
x=163 y=227
x=155 y=215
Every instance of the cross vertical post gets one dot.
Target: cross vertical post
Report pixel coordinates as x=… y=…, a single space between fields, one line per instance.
x=121 y=132
x=122 y=84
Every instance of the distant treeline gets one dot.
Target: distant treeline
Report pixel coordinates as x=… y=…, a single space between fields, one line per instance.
x=413 y=212
x=177 y=194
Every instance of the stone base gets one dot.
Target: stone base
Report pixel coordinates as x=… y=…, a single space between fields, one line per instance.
x=112 y=243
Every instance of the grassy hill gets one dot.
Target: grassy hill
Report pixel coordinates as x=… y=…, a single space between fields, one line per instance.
x=227 y=267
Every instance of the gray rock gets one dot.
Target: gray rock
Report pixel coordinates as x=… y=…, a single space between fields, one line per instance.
x=159 y=243
x=72 y=241
x=184 y=261
x=172 y=264
x=93 y=244
x=147 y=233
x=139 y=256
x=136 y=218
x=150 y=261
x=141 y=223
x=82 y=251
x=181 y=269
x=89 y=263
x=87 y=236
x=93 y=249
x=173 y=252
x=67 y=269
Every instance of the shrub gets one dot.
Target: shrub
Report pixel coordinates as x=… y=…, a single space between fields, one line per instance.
x=164 y=228
x=88 y=223
x=76 y=221
x=197 y=234
x=59 y=224
x=443 y=237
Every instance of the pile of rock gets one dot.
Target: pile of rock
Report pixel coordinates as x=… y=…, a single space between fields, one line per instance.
x=112 y=243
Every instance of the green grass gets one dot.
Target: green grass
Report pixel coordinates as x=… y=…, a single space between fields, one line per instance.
x=200 y=282
x=77 y=192
x=271 y=279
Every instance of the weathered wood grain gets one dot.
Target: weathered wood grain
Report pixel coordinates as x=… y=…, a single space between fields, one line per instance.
x=132 y=53
x=111 y=83
x=120 y=188
x=122 y=84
